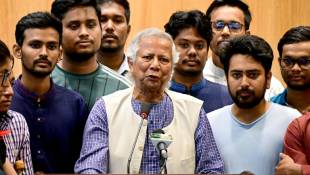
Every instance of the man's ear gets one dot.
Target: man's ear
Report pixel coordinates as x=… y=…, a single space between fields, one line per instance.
x=130 y=63
x=268 y=79
x=17 y=51
x=129 y=29
x=248 y=32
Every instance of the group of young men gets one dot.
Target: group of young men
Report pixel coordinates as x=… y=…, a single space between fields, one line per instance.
x=79 y=103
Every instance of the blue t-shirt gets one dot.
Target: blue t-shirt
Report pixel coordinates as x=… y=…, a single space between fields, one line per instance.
x=213 y=95
x=280 y=98
x=56 y=121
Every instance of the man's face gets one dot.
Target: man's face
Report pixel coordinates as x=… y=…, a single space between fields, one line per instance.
x=226 y=14
x=39 y=52
x=115 y=27
x=193 y=52
x=6 y=91
x=296 y=77
x=153 y=66
x=81 y=33
x=246 y=81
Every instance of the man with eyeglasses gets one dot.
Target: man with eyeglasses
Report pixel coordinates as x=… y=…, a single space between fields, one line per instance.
x=229 y=18
x=294 y=51
x=17 y=141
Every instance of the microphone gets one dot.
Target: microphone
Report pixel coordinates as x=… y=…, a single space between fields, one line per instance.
x=161 y=141
x=145 y=110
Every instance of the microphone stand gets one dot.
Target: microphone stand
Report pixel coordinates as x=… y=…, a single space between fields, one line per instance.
x=133 y=147
x=162 y=164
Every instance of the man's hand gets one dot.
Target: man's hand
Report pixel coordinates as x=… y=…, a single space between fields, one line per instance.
x=287 y=166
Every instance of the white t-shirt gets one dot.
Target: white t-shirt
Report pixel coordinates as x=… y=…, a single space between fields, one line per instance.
x=253 y=147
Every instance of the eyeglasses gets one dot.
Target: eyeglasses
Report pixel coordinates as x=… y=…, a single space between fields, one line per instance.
x=303 y=63
x=233 y=26
x=4 y=76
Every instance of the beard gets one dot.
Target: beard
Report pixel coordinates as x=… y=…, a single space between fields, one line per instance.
x=110 y=49
x=38 y=73
x=249 y=102
x=298 y=87
x=188 y=73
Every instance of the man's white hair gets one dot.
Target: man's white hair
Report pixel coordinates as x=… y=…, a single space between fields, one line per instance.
x=150 y=32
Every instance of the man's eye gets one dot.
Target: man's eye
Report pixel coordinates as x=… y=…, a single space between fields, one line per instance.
x=164 y=60
x=73 y=26
x=52 y=46
x=199 y=46
x=91 y=25
x=147 y=57
x=35 y=45
x=253 y=75
x=236 y=75
x=184 y=45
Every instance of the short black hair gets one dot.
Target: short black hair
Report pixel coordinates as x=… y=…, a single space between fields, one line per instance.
x=232 y=3
x=40 y=20
x=185 y=19
x=5 y=53
x=123 y=3
x=61 y=7
x=294 y=35
x=250 y=45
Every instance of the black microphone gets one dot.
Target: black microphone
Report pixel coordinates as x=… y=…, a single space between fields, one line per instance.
x=161 y=141
x=145 y=110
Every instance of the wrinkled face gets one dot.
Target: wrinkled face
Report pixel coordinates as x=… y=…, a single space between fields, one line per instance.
x=246 y=81
x=81 y=33
x=153 y=64
x=193 y=52
x=226 y=14
x=6 y=91
x=39 y=52
x=115 y=27
x=296 y=76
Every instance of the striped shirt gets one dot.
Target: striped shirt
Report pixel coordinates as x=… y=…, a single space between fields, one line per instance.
x=17 y=142
x=91 y=86
x=94 y=154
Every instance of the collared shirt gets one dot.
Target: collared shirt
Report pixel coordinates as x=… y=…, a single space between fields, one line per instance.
x=92 y=86
x=297 y=142
x=280 y=98
x=94 y=153
x=17 y=141
x=213 y=95
x=56 y=120
x=124 y=68
x=217 y=75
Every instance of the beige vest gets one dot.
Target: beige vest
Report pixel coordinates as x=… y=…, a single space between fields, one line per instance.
x=124 y=123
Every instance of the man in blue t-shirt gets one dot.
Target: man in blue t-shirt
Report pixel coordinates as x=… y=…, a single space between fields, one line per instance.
x=192 y=34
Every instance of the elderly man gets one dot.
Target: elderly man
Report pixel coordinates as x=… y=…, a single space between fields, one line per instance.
x=115 y=132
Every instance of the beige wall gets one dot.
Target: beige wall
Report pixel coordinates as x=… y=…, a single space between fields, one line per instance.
x=271 y=18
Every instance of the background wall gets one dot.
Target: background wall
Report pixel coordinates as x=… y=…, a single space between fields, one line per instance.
x=271 y=18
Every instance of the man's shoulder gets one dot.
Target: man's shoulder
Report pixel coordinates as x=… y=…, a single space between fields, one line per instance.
x=280 y=98
x=284 y=111
x=17 y=120
x=112 y=75
x=219 y=113
x=67 y=94
x=184 y=97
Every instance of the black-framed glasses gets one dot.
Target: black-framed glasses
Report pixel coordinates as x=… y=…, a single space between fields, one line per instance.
x=233 y=26
x=4 y=76
x=287 y=62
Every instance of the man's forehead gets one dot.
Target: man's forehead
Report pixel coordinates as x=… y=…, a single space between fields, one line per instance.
x=76 y=13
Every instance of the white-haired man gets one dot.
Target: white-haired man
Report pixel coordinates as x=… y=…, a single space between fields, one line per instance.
x=117 y=130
